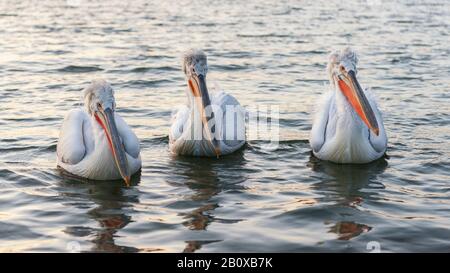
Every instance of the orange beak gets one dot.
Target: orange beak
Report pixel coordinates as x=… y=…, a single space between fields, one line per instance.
x=197 y=85
x=349 y=86
x=105 y=117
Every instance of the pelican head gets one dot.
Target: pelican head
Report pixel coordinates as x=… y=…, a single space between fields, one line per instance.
x=195 y=67
x=342 y=72
x=100 y=104
x=195 y=63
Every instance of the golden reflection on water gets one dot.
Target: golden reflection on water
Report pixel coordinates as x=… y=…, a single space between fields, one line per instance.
x=262 y=53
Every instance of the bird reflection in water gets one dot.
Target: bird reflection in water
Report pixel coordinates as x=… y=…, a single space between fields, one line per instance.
x=347 y=230
x=206 y=178
x=348 y=186
x=110 y=211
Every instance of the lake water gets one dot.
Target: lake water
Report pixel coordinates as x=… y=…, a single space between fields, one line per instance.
x=269 y=53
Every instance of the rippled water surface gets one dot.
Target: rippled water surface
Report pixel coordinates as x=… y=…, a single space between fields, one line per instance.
x=262 y=52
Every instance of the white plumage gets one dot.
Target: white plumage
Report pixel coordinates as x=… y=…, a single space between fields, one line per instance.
x=184 y=126
x=83 y=147
x=190 y=133
x=339 y=134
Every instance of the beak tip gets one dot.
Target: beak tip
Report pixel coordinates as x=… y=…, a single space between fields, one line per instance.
x=127 y=180
x=376 y=131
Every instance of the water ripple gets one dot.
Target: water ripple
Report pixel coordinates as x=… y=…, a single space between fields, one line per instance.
x=262 y=198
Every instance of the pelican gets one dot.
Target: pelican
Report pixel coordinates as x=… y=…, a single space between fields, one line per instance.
x=208 y=125
x=348 y=127
x=95 y=142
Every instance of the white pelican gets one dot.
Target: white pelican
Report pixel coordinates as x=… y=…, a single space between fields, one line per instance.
x=348 y=127
x=206 y=126
x=95 y=142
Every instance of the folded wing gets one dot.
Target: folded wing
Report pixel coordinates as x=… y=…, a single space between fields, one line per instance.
x=72 y=148
x=320 y=122
x=232 y=122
